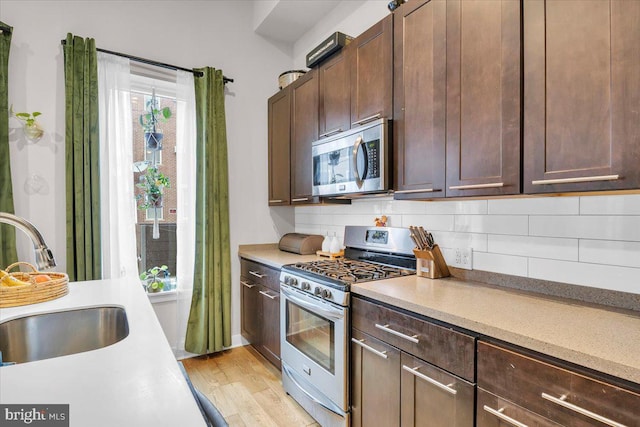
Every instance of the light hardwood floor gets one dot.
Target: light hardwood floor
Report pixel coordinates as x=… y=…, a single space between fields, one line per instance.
x=246 y=388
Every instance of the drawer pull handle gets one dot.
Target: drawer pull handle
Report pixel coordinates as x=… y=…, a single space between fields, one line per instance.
x=276 y=201
x=331 y=132
x=386 y=328
x=266 y=294
x=301 y=199
x=420 y=190
x=366 y=119
x=361 y=343
x=438 y=384
x=562 y=402
x=255 y=273
x=498 y=414
x=248 y=285
x=474 y=186
x=578 y=179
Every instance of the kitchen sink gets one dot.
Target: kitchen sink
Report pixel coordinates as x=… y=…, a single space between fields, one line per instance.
x=49 y=335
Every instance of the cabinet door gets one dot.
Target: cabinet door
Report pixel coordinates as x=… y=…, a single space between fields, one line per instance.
x=304 y=131
x=483 y=97
x=375 y=382
x=279 y=142
x=335 y=96
x=581 y=95
x=251 y=312
x=270 y=342
x=433 y=397
x=372 y=73
x=419 y=99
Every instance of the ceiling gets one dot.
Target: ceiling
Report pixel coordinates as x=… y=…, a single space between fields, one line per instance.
x=287 y=20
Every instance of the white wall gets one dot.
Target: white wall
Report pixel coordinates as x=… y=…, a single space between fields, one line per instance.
x=185 y=33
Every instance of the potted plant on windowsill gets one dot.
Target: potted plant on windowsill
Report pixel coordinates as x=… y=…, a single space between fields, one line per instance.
x=152 y=183
x=149 y=121
x=153 y=278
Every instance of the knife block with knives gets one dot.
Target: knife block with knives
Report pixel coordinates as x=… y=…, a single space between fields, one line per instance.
x=429 y=260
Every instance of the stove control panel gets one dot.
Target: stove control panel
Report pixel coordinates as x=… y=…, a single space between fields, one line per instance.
x=319 y=290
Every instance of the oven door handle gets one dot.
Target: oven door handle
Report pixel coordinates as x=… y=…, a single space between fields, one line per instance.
x=331 y=313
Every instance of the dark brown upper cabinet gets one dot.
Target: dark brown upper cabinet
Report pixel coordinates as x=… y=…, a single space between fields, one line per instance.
x=304 y=131
x=372 y=73
x=334 y=79
x=279 y=140
x=581 y=95
x=483 y=98
x=419 y=118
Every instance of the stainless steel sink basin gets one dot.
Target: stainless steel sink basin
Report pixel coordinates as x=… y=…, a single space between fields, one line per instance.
x=49 y=335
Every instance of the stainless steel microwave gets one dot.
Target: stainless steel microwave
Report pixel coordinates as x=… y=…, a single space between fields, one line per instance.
x=353 y=162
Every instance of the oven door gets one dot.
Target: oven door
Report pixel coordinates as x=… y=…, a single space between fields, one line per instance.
x=313 y=344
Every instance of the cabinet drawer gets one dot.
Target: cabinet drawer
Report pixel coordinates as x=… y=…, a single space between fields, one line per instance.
x=446 y=348
x=255 y=273
x=559 y=394
x=493 y=411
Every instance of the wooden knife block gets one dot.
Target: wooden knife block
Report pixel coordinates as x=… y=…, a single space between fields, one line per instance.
x=432 y=261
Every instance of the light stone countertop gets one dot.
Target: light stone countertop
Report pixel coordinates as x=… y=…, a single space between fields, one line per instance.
x=599 y=338
x=134 y=382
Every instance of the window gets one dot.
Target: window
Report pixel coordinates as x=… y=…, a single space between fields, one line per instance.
x=145 y=84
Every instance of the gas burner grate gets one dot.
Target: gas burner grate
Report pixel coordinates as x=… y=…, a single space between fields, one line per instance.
x=351 y=271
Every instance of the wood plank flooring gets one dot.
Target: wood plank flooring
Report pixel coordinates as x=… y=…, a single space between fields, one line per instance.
x=246 y=388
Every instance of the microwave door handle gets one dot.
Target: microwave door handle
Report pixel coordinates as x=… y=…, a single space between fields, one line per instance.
x=356 y=147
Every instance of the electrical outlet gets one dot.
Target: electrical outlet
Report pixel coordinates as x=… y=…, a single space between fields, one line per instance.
x=463 y=258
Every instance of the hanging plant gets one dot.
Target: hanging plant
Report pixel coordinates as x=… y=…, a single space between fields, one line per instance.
x=152 y=183
x=149 y=121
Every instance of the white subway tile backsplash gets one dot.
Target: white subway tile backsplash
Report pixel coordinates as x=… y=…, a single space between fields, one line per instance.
x=587 y=240
x=535 y=206
x=586 y=227
x=453 y=240
x=498 y=263
x=429 y=222
x=539 y=247
x=462 y=207
x=610 y=205
x=616 y=278
x=625 y=254
x=493 y=224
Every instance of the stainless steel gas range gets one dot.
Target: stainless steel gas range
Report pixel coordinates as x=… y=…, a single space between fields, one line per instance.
x=314 y=316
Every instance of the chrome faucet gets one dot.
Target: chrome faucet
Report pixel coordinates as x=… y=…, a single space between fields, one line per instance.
x=44 y=256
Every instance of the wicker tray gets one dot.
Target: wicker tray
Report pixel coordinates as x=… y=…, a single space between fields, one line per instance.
x=13 y=296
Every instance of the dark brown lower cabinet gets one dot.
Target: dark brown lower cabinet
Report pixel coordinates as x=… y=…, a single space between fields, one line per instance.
x=532 y=391
x=391 y=387
x=260 y=311
x=375 y=382
x=433 y=397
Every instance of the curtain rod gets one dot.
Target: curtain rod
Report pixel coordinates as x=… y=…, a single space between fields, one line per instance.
x=156 y=63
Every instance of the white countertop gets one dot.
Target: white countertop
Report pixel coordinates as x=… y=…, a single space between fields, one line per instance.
x=134 y=382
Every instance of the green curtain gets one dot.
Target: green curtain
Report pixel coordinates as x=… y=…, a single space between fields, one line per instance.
x=8 y=252
x=209 y=326
x=81 y=159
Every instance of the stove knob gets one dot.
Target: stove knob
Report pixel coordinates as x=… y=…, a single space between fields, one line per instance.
x=287 y=279
x=305 y=286
x=293 y=281
x=326 y=294
x=317 y=291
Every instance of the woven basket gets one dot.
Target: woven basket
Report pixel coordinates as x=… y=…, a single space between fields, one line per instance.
x=13 y=296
